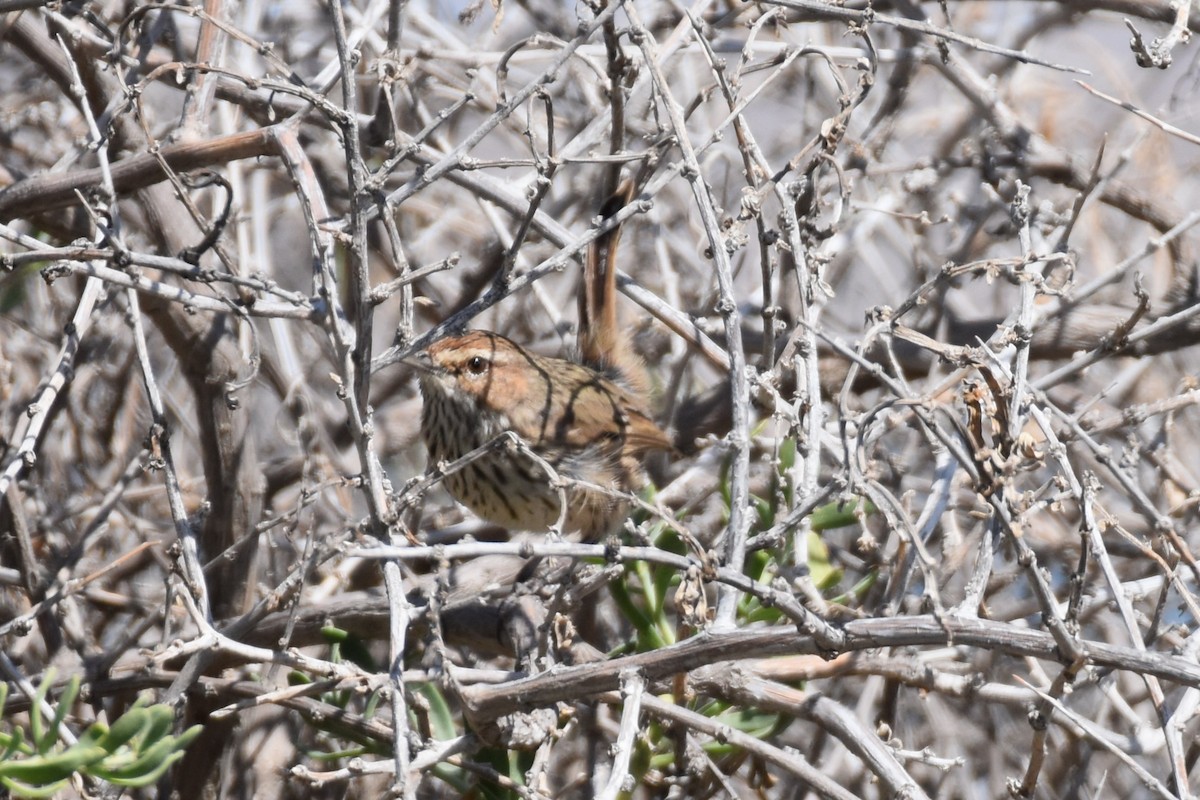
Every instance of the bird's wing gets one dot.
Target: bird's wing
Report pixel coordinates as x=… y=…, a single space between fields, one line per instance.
x=643 y=435
x=603 y=413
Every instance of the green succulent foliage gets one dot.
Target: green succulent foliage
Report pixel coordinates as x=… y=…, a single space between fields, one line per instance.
x=644 y=598
x=761 y=563
x=337 y=740
x=345 y=646
x=134 y=752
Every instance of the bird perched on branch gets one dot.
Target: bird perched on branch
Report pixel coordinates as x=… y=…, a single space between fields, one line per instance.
x=588 y=422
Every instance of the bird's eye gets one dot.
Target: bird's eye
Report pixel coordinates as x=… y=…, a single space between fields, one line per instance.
x=477 y=365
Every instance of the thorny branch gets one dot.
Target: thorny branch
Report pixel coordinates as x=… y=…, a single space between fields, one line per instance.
x=918 y=309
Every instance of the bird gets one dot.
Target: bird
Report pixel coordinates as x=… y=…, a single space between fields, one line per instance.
x=588 y=422
x=580 y=421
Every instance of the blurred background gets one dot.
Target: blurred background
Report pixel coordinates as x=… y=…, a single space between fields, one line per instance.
x=946 y=247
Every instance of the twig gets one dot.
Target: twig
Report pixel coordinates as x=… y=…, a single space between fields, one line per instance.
x=633 y=688
x=739 y=477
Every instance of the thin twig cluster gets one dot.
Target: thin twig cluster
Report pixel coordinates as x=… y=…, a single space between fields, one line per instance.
x=916 y=287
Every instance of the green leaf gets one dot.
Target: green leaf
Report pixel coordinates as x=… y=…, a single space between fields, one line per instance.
x=823 y=573
x=838 y=515
x=441 y=718
x=43 y=769
x=334 y=635
x=372 y=704
x=37 y=733
x=752 y=723
x=350 y=647
x=65 y=702
x=152 y=760
x=19 y=789
x=125 y=728
x=787 y=460
x=16 y=742
x=183 y=740
x=651 y=598
x=298 y=678
x=146 y=778
x=647 y=634
x=766 y=514
x=787 y=454
x=859 y=589
x=337 y=755
x=161 y=719
x=756 y=564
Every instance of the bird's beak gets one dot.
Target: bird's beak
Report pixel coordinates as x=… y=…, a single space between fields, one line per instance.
x=429 y=374
x=422 y=362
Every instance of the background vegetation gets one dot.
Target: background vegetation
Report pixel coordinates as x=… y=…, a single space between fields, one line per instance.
x=916 y=284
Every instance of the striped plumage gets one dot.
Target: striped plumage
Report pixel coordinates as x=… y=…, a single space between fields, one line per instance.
x=587 y=427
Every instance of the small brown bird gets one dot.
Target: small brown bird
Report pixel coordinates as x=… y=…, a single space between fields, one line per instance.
x=586 y=426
